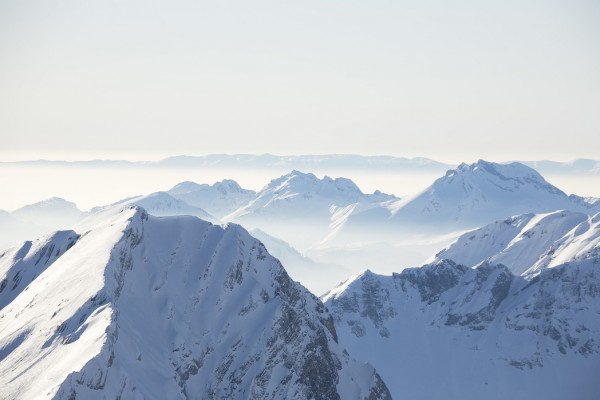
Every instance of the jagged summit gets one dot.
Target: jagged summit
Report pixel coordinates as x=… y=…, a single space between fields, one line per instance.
x=303 y=209
x=166 y=307
x=476 y=332
x=307 y=190
x=308 y=183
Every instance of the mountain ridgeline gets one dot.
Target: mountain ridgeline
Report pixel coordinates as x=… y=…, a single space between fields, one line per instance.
x=164 y=295
x=146 y=307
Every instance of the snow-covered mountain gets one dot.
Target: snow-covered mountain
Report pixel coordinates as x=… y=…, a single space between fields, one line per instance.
x=54 y=213
x=172 y=307
x=160 y=204
x=303 y=209
x=529 y=242
x=219 y=199
x=315 y=276
x=449 y=331
x=472 y=195
x=465 y=198
x=36 y=220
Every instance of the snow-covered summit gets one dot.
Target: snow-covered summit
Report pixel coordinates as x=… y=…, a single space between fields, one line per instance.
x=159 y=204
x=475 y=194
x=218 y=199
x=303 y=209
x=306 y=189
x=170 y=307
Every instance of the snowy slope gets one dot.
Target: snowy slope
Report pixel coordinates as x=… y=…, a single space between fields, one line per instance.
x=529 y=242
x=174 y=307
x=219 y=199
x=475 y=194
x=467 y=197
x=159 y=204
x=303 y=209
x=518 y=242
x=452 y=332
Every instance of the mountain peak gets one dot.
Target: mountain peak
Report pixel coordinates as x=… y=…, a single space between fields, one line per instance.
x=50 y=203
x=300 y=182
x=171 y=308
x=514 y=170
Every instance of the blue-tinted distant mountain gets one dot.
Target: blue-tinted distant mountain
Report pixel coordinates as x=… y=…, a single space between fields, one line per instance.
x=34 y=220
x=54 y=213
x=314 y=162
x=304 y=162
x=218 y=199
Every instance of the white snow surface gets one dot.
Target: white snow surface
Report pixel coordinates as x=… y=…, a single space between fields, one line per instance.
x=159 y=204
x=218 y=199
x=485 y=191
x=303 y=209
x=173 y=307
x=467 y=197
x=446 y=331
x=528 y=243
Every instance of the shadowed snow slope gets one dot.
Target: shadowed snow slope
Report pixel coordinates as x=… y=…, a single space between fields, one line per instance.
x=448 y=331
x=170 y=308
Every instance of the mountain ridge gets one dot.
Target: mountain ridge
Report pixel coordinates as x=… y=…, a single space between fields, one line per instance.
x=227 y=321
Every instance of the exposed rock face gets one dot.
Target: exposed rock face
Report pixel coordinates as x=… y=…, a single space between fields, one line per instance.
x=146 y=307
x=484 y=332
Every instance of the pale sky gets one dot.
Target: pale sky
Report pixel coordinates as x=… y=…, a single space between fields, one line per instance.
x=450 y=80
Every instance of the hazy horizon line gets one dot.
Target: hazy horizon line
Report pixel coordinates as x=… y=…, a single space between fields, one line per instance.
x=282 y=156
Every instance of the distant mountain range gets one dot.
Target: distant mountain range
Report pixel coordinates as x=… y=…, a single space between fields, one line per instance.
x=142 y=299
x=331 y=220
x=314 y=163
